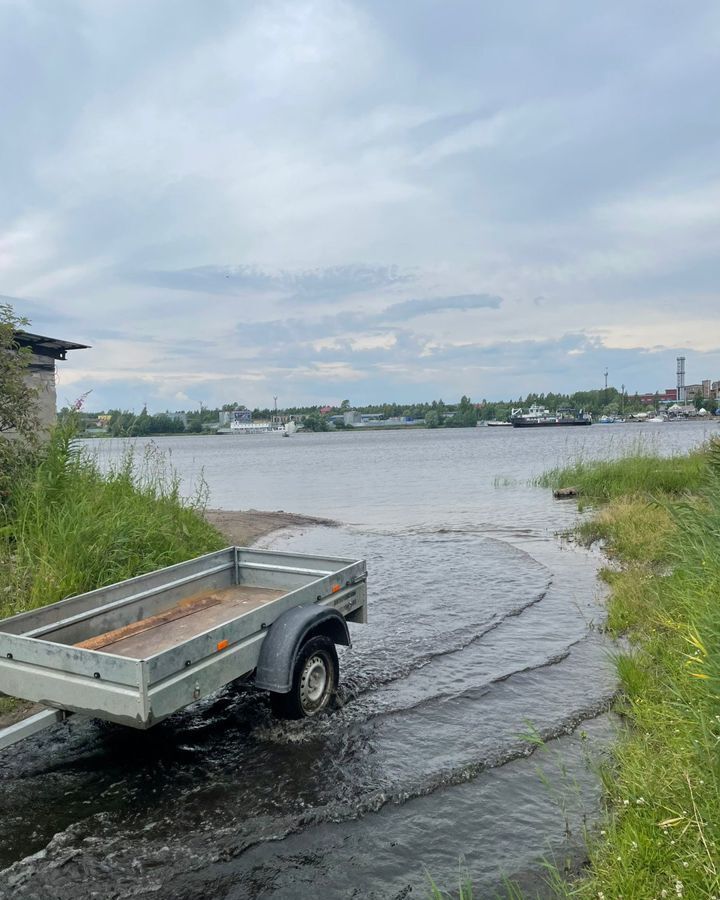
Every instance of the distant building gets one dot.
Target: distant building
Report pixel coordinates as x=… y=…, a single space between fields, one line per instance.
x=41 y=371
x=326 y=410
x=692 y=391
x=279 y=419
x=668 y=396
x=370 y=420
x=230 y=417
x=240 y=416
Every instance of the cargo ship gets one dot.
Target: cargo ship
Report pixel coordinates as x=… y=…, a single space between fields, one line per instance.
x=540 y=417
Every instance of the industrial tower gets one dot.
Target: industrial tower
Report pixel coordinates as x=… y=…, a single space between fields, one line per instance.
x=681 y=379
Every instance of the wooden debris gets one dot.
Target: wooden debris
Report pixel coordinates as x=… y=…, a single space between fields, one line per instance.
x=186 y=608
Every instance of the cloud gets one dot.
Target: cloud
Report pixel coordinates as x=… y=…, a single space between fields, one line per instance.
x=318 y=284
x=380 y=326
x=414 y=369
x=310 y=191
x=463 y=302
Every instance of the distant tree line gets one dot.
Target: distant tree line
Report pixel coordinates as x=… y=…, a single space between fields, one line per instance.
x=608 y=402
x=432 y=414
x=122 y=423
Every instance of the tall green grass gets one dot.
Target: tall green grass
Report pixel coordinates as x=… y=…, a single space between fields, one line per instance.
x=661 y=837
x=640 y=471
x=67 y=527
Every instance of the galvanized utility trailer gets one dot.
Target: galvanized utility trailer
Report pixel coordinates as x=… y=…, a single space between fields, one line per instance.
x=140 y=650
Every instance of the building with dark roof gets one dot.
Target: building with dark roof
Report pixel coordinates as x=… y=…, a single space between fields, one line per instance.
x=46 y=351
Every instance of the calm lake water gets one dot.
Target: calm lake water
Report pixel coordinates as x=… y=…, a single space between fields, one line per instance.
x=482 y=638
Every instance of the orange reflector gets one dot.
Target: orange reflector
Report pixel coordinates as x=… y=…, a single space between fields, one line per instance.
x=335 y=588
x=222 y=645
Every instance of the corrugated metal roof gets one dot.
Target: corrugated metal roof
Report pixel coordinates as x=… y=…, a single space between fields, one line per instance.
x=46 y=346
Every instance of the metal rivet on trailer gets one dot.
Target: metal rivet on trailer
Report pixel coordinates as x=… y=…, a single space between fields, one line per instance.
x=263 y=625
x=319 y=596
x=9 y=656
x=187 y=663
x=96 y=675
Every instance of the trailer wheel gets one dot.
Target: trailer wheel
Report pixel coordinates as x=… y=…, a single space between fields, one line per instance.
x=315 y=680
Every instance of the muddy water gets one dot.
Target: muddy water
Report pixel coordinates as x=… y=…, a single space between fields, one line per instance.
x=482 y=639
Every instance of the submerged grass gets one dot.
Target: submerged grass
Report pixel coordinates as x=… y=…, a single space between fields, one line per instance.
x=632 y=529
x=66 y=527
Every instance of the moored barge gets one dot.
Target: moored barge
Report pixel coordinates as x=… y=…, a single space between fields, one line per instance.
x=541 y=417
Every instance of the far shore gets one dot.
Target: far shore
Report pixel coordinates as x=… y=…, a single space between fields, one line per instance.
x=241 y=528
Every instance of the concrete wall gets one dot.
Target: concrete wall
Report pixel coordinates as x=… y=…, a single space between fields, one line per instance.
x=41 y=376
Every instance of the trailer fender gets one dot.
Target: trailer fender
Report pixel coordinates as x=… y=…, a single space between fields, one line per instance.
x=285 y=637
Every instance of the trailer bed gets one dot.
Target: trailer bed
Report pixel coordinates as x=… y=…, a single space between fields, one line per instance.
x=138 y=651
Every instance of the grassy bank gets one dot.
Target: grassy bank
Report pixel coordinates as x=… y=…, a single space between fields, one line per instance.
x=640 y=472
x=67 y=527
x=660 y=520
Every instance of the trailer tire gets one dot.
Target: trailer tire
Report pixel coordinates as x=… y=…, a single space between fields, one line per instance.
x=315 y=679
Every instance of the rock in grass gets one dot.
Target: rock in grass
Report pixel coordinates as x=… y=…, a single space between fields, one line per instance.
x=561 y=493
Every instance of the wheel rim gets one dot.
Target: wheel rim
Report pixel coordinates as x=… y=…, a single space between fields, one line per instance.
x=314 y=684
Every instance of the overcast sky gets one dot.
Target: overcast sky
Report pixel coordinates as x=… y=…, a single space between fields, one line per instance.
x=369 y=200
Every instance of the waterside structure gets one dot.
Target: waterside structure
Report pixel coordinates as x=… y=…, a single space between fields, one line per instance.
x=41 y=373
x=539 y=416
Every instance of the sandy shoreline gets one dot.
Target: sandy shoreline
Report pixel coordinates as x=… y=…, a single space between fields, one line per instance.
x=242 y=528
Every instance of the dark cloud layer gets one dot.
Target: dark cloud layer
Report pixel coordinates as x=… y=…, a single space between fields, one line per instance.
x=314 y=285
x=308 y=329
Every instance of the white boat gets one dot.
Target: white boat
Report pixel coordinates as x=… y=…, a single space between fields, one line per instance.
x=250 y=427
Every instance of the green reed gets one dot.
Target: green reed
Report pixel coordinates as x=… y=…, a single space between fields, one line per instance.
x=640 y=470
x=67 y=527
